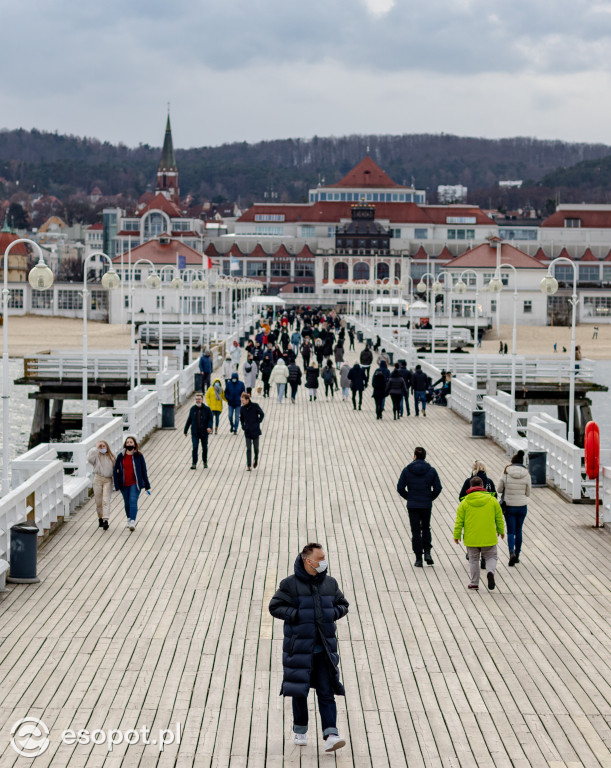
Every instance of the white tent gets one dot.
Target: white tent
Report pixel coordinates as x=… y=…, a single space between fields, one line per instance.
x=267 y=301
x=388 y=301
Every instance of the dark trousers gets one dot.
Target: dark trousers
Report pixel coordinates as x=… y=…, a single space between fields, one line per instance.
x=396 y=403
x=294 y=387
x=356 y=392
x=351 y=343
x=379 y=404
x=251 y=442
x=321 y=680
x=366 y=371
x=514 y=517
x=329 y=388
x=406 y=397
x=196 y=441
x=420 y=523
x=205 y=381
x=266 y=386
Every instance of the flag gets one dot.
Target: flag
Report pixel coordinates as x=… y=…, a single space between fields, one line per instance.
x=182 y=262
x=233 y=263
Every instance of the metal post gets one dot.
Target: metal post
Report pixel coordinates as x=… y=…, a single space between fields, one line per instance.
x=571 y=435
x=5 y=380
x=513 y=344
x=84 y=368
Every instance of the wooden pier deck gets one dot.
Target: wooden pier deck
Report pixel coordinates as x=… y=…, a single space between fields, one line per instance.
x=170 y=624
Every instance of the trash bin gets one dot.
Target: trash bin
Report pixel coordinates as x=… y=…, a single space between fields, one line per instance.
x=198 y=382
x=167 y=416
x=537 y=466
x=24 y=549
x=359 y=336
x=478 y=424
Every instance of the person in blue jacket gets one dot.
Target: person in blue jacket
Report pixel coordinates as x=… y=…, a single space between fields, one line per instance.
x=419 y=485
x=233 y=393
x=310 y=602
x=205 y=368
x=130 y=478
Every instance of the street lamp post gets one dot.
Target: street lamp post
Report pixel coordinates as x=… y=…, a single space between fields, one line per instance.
x=461 y=287
x=496 y=286
x=549 y=286
x=41 y=279
x=110 y=281
x=152 y=281
x=447 y=276
x=177 y=284
x=436 y=288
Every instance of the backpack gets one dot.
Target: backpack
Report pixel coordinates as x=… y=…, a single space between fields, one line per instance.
x=327 y=375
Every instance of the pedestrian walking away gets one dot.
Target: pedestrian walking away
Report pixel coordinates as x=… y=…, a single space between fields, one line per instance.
x=309 y=602
x=420 y=384
x=267 y=365
x=329 y=378
x=357 y=384
x=279 y=376
x=478 y=470
x=233 y=394
x=397 y=389
x=378 y=383
x=419 y=485
x=312 y=375
x=214 y=400
x=366 y=359
x=200 y=422
x=407 y=377
x=480 y=516
x=130 y=478
x=344 y=380
x=250 y=371
x=251 y=416
x=296 y=341
x=294 y=379
x=102 y=459
x=351 y=337
x=514 y=487
x=205 y=368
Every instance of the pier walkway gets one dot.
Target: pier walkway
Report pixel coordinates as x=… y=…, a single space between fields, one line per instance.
x=169 y=624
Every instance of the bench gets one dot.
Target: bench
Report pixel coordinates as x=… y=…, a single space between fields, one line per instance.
x=76 y=492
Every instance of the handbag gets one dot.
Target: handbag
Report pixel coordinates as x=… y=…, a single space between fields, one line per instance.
x=502 y=501
x=259 y=389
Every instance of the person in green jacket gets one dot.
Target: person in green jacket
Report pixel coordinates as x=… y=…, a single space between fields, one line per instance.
x=480 y=516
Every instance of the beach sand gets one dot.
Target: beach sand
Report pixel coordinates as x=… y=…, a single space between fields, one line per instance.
x=539 y=340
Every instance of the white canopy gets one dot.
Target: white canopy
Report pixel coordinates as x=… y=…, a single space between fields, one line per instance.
x=388 y=301
x=268 y=300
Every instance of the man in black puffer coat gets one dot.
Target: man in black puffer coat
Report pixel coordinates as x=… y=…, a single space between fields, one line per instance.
x=419 y=485
x=309 y=603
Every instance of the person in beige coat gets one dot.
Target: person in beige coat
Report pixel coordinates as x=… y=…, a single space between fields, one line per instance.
x=514 y=489
x=102 y=459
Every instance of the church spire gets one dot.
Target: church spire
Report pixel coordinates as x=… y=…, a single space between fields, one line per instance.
x=167 y=172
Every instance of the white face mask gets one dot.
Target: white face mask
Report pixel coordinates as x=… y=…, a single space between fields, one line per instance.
x=321 y=567
x=102 y=450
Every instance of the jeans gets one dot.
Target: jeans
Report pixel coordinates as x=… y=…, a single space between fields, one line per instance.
x=321 y=680
x=234 y=416
x=345 y=392
x=420 y=397
x=488 y=554
x=196 y=441
x=358 y=392
x=514 y=517
x=420 y=523
x=328 y=388
x=102 y=491
x=130 y=499
x=366 y=371
x=294 y=387
x=281 y=390
x=251 y=442
x=406 y=398
x=217 y=417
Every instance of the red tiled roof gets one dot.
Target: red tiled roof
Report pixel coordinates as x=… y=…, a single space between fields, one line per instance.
x=97 y=225
x=366 y=174
x=485 y=256
x=282 y=253
x=164 y=253
x=564 y=254
x=161 y=203
x=306 y=253
x=541 y=255
x=6 y=238
x=127 y=233
x=608 y=257
x=178 y=233
x=589 y=219
x=446 y=254
x=235 y=251
x=421 y=254
x=210 y=250
x=258 y=252
x=588 y=256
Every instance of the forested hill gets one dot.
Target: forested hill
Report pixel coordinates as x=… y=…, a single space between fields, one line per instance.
x=285 y=169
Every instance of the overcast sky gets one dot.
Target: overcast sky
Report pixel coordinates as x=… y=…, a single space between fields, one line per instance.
x=244 y=70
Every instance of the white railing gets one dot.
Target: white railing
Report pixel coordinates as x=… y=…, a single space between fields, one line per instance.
x=460 y=336
x=502 y=422
x=464 y=397
x=59 y=366
x=46 y=486
x=605 y=495
x=556 y=369
x=564 y=461
x=187 y=380
x=141 y=416
x=168 y=389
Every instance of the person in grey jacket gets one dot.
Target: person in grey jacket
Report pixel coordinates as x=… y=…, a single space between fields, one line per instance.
x=250 y=372
x=514 y=489
x=344 y=381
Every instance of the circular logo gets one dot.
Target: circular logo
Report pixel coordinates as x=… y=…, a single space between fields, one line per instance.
x=29 y=737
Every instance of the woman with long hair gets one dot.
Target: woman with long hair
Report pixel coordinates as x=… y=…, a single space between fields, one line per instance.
x=130 y=478
x=102 y=459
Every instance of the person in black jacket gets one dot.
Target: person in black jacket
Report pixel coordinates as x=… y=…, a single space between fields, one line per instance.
x=366 y=359
x=378 y=383
x=310 y=602
x=294 y=379
x=130 y=477
x=419 y=485
x=407 y=377
x=200 y=420
x=266 y=371
x=251 y=417
x=356 y=375
x=312 y=376
x=397 y=389
x=420 y=385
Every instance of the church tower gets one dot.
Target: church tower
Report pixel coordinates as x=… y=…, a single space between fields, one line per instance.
x=167 y=172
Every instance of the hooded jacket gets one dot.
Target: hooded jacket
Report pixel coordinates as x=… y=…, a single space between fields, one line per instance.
x=309 y=607
x=488 y=485
x=357 y=378
x=366 y=357
x=378 y=383
x=396 y=384
x=212 y=401
x=251 y=416
x=312 y=375
x=205 y=363
x=233 y=392
x=294 y=373
x=251 y=370
x=480 y=516
x=419 y=485
x=267 y=365
x=420 y=381
x=515 y=481
x=280 y=373
x=344 y=376
x=228 y=368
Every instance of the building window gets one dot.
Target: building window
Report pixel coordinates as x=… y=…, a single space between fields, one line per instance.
x=304 y=269
x=396 y=233
x=607 y=273
x=325 y=271
x=256 y=269
x=69 y=299
x=397 y=270
x=382 y=271
x=331 y=231
x=269 y=217
x=489 y=275
x=563 y=273
x=528 y=307
x=340 y=271
x=597 y=306
x=493 y=305
x=160 y=302
x=154 y=225
x=42 y=299
x=225 y=266
x=360 y=271
x=308 y=230
x=461 y=234
x=417 y=270
x=463 y=307
x=518 y=234
x=303 y=289
x=572 y=223
x=421 y=233
x=269 y=230
x=15 y=298
x=281 y=269
x=192 y=304
x=98 y=299
x=126 y=302
x=589 y=273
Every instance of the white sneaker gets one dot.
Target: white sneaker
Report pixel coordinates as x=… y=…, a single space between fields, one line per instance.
x=132 y=525
x=334 y=742
x=127 y=523
x=301 y=739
